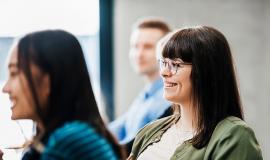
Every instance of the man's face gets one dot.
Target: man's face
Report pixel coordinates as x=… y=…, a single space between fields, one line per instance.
x=143 y=50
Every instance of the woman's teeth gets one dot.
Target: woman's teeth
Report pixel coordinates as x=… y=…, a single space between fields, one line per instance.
x=12 y=103
x=170 y=84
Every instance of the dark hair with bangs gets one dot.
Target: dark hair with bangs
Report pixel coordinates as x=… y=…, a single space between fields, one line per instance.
x=214 y=86
x=59 y=54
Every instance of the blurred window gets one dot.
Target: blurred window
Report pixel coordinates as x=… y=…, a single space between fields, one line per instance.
x=20 y=17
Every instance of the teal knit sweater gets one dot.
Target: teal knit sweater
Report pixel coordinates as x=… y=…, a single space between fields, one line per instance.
x=77 y=141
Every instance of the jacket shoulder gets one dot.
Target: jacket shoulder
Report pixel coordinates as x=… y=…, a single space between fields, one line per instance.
x=234 y=139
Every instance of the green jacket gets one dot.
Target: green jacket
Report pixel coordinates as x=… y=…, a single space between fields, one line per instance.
x=232 y=139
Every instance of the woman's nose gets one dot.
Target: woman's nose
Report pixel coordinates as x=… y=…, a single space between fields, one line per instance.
x=165 y=72
x=6 y=89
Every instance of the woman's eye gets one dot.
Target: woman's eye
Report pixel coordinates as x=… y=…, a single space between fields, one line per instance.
x=176 y=65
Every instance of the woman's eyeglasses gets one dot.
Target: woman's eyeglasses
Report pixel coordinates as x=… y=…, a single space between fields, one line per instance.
x=172 y=65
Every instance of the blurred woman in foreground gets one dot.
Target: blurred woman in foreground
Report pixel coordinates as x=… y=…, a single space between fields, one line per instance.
x=49 y=84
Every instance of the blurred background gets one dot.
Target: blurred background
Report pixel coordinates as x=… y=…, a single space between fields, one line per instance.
x=104 y=27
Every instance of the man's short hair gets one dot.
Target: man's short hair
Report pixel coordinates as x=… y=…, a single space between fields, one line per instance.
x=153 y=23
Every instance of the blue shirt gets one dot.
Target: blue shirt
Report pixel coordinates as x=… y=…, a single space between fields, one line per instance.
x=77 y=140
x=148 y=106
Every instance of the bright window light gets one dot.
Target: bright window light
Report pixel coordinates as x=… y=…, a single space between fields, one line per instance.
x=19 y=17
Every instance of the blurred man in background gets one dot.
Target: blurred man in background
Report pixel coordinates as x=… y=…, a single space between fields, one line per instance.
x=149 y=105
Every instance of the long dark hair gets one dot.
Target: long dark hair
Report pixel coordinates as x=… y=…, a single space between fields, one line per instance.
x=214 y=86
x=59 y=54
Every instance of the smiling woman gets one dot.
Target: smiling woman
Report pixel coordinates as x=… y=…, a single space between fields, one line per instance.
x=18 y=89
x=177 y=87
x=44 y=70
x=199 y=78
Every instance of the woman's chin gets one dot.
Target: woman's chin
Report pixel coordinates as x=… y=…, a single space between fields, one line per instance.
x=169 y=97
x=14 y=117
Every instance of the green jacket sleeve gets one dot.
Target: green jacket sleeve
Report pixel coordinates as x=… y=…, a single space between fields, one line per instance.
x=239 y=143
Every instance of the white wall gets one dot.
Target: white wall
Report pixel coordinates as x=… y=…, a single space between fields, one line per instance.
x=245 y=23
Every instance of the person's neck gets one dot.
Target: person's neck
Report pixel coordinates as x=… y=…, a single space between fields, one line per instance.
x=187 y=118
